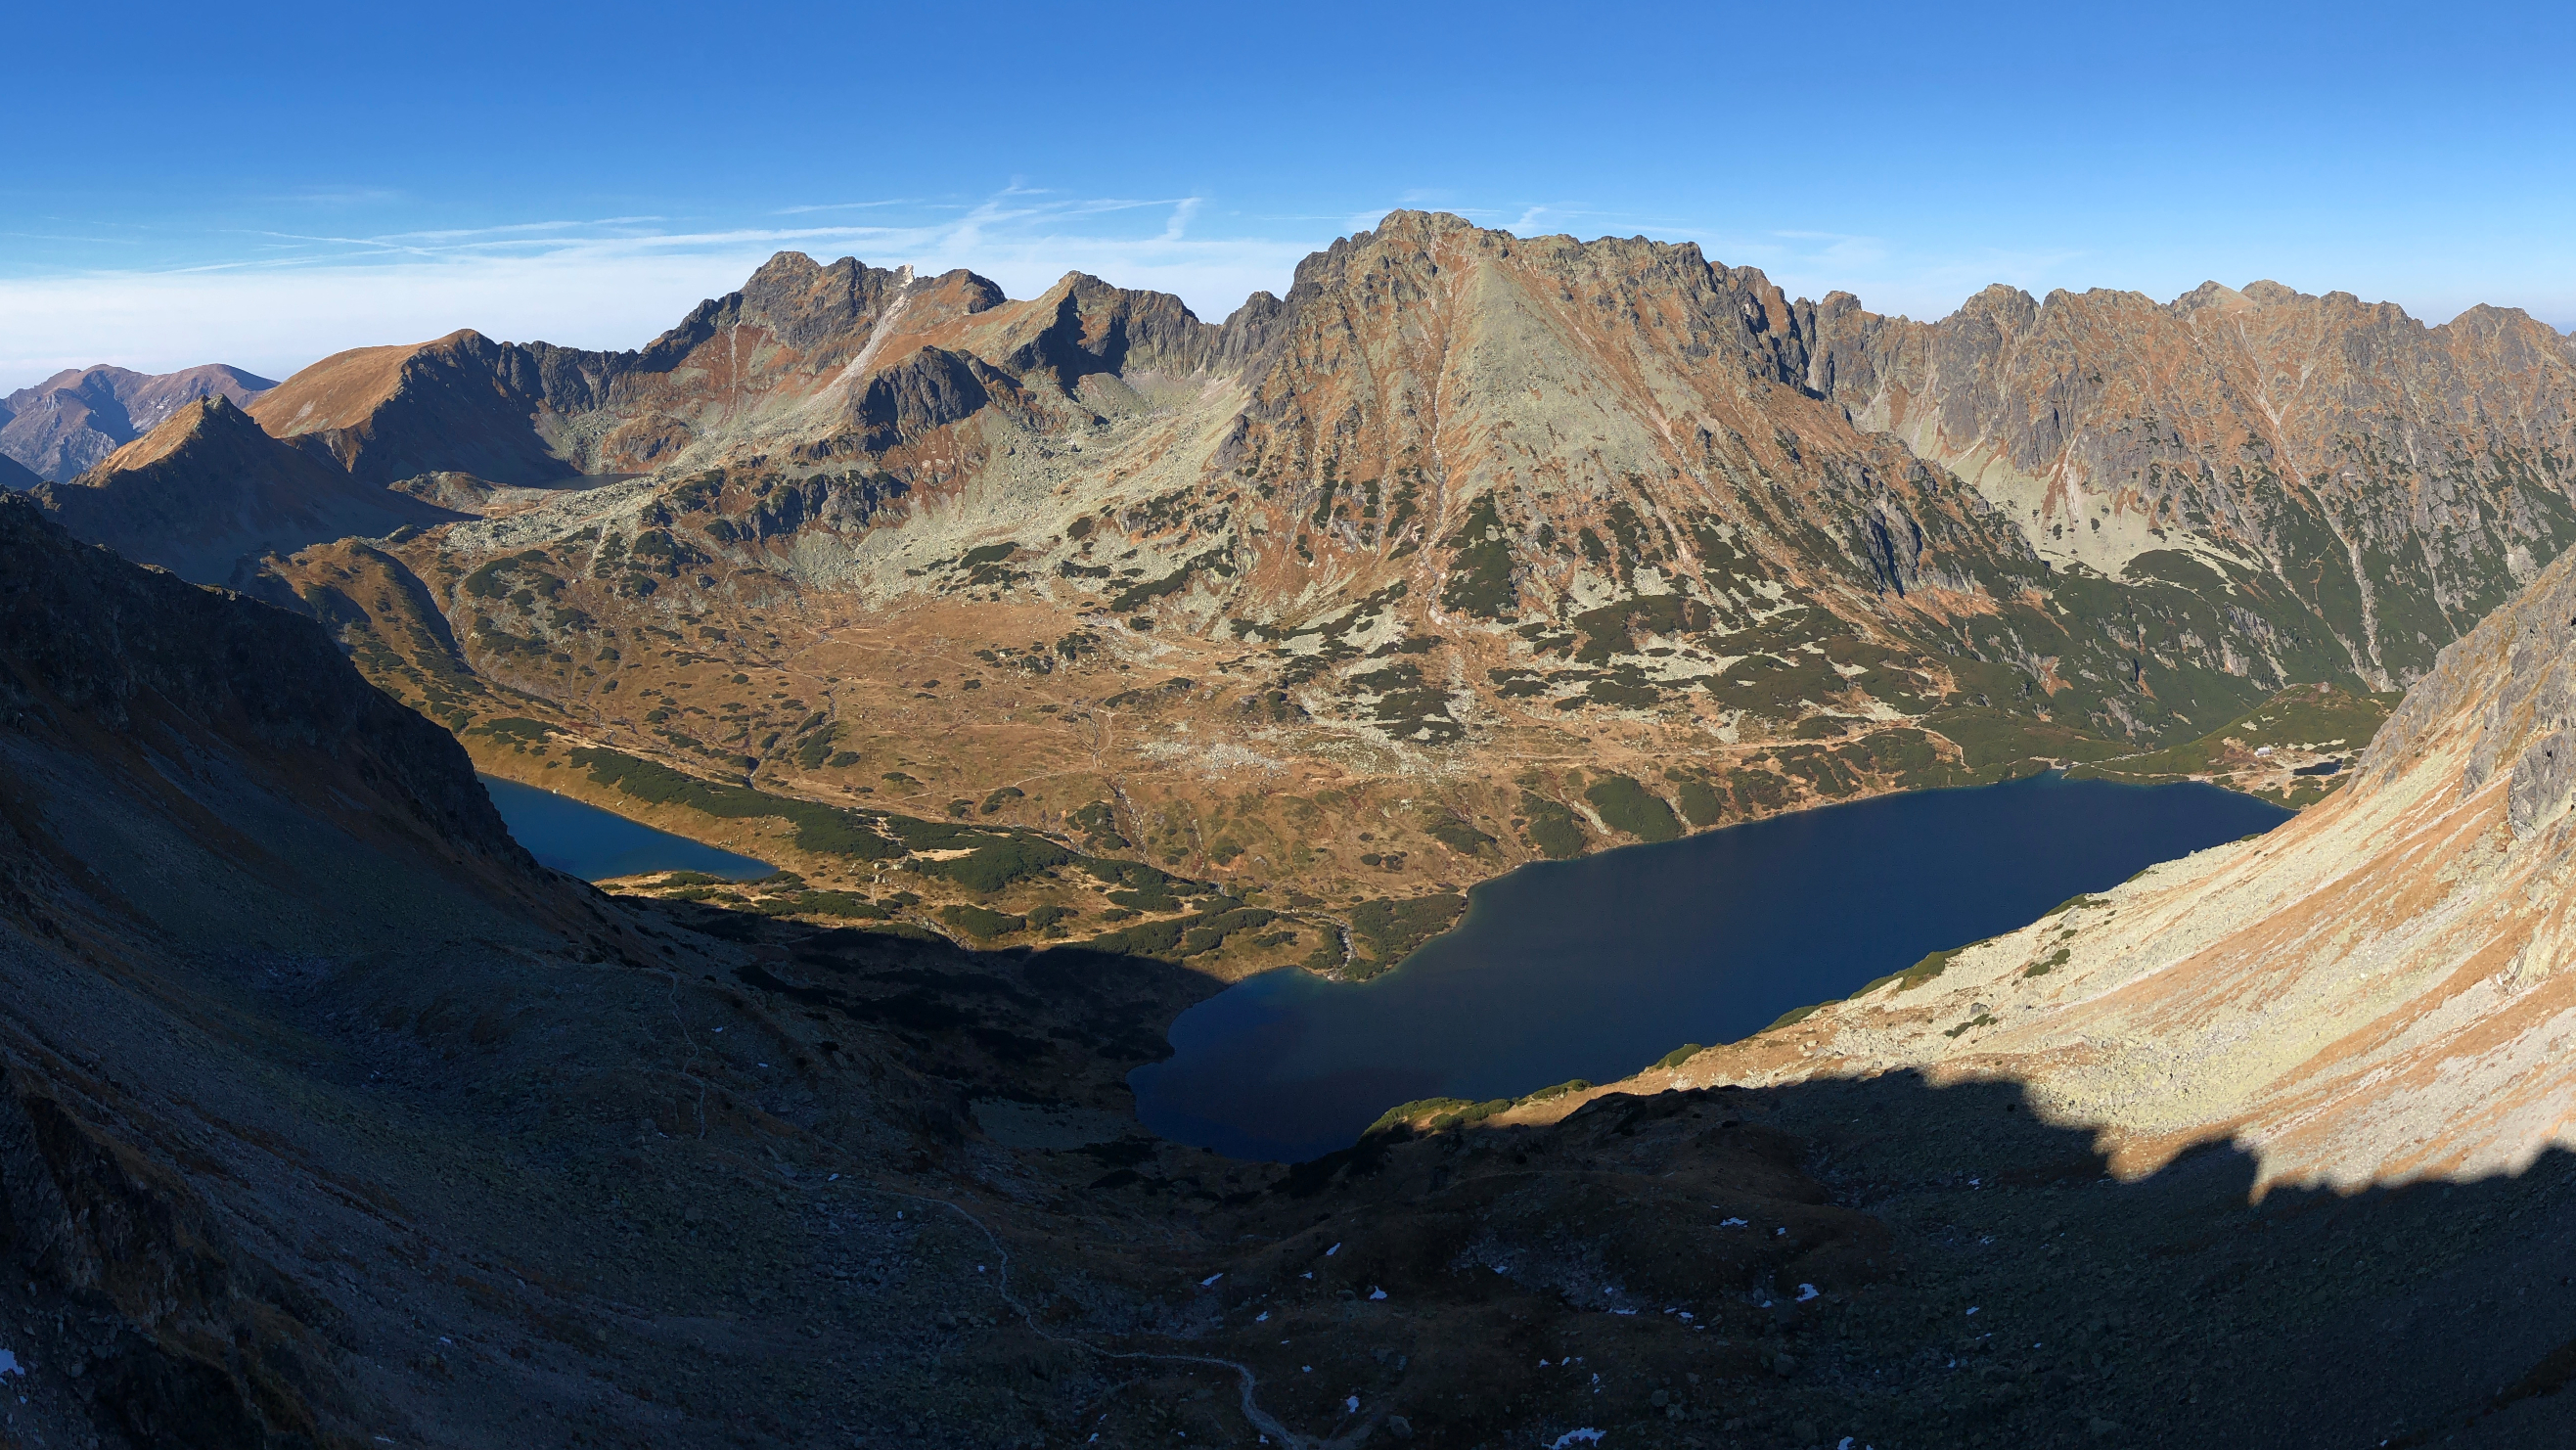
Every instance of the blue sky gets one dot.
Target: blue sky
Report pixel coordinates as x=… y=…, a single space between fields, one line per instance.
x=200 y=183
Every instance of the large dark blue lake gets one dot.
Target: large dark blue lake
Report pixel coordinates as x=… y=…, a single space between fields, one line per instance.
x=1595 y=967
x=585 y=841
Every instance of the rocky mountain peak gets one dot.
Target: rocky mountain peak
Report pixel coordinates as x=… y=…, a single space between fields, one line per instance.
x=208 y=423
x=77 y=417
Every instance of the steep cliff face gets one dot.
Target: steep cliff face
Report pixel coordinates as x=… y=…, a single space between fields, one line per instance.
x=2386 y=482
x=208 y=492
x=68 y=423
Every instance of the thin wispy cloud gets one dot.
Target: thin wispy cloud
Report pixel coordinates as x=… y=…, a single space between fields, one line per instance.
x=275 y=300
x=284 y=298
x=846 y=206
x=342 y=196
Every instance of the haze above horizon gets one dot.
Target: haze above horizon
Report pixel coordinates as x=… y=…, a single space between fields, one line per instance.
x=584 y=175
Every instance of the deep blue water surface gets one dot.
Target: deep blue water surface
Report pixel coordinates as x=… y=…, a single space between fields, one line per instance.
x=1595 y=967
x=594 y=845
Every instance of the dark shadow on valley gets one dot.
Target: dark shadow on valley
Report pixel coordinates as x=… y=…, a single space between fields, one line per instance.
x=1978 y=1278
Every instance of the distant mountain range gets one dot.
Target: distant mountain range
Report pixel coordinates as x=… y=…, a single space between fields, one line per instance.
x=71 y=421
x=1530 y=515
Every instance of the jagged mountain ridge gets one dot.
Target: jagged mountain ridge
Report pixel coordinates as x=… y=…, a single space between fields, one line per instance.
x=1461 y=502
x=2399 y=480
x=70 y=422
x=834 y=358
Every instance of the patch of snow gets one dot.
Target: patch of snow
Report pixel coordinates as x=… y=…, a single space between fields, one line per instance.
x=9 y=1365
x=1376 y=1292
x=1735 y=1223
x=1806 y=1292
x=1211 y=1279
x=1584 y=1436
x=1335 y=1249
x=1351 y=1404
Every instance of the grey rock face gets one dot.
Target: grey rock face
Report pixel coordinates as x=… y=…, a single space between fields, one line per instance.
x=2541 y=777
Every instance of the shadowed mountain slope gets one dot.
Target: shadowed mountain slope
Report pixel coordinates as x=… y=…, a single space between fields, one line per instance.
x=208 y=493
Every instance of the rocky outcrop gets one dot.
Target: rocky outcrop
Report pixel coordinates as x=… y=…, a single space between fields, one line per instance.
x=68 y=423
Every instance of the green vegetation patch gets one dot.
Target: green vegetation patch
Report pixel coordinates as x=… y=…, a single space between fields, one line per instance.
x=2322 y=717
x=1679 y=1055
x=982 y=923
x=1551 y=827
x=997 y=863
x=839 y=903
x=824 y=830
x=1441 y=1113
x=515 y=728
x=1459 y=836
x=1480 y=565
x=1627 y=806
x=1913 y=976
x=1181 y=937
x=1700 y=803
x=1391 y=930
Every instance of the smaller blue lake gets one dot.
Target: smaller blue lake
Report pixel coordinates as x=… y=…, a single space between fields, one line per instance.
x=1595 y=967
x=585 y=841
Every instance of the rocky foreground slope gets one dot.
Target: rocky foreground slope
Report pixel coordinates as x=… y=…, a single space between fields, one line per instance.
x=2376 y=992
